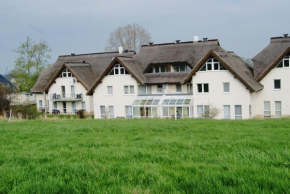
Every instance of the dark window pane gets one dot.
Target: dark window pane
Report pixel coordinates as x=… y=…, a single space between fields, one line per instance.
x=176 y=68
x=122 y=70
x=182 y=68
x=116 y=71
x=150 y=70
x=209 y=66
x=222 y=67
x=111 y=72
x=216 y=66
x=199 y=88
x=203 y=68
x=205 y=86
x=157 y=69
x=277 y=84
x=286 y=63
x=163 y=68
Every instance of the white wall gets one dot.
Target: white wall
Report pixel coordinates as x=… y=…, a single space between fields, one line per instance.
x=56 y=88
x=272 y=95
x=118 y=99
x=238 y=94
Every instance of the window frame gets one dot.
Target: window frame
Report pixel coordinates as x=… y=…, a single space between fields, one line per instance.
x=278 y=110
x=111 y=113
x=224 y=87
x=129 y=88
x=130 y=115
x=158 y=88
x=227 y=116
x=279 y=84
x=178 y=88
x=103 y=115
x=108 y=90
x=203 y=108
x=119 y=69
x=267 y=110
x=202 y=88
x=238 y=117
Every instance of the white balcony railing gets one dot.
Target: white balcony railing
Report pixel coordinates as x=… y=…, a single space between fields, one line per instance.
x=66 y=97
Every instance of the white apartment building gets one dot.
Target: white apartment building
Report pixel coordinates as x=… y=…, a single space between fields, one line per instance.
x=172 y=80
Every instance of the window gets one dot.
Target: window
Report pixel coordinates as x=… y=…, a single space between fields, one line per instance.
x=238 y=111
x=178 y=87
x=40 y=104
x=278 y=109
x=64 y=107
x=54 y=105
x=212 y=65
x=74 y=108
x=277 y=84
x=47 y=105
x=144 y=89
x=111 y=112
x=267 y=109
x=72 y=91
x=118 y=70
x=83 y=105
x=180 y=68
x=66 y=73
x=63 y=91
x=202 y=111
x=103 y=112
x=110 y=90
x=202 y=88
x=227 y=111
x=189 y=88
x=128 y=111
x=128 y=89
x=226 y=87
x=159 y=88
x=284 y=63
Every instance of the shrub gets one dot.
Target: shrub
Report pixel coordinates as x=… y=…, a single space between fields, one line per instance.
x=81 y=114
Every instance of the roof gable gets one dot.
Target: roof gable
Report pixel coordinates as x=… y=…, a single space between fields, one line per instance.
x=233 y=64
x=270 y=56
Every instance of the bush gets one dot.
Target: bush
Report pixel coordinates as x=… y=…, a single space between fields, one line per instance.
x=81 y=114
x=27 y=111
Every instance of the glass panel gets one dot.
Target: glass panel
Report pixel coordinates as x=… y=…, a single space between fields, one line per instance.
x=136 y=102
x=176 y=68
x=185 y=112
x=111 y=72
x=203 y=68
x=116 y=71
x=286 y=63
x=182 y=68
x=227 y=112
x=238 y=111
x=131 y=89
x=199 y=88
x=179 y=102
x=199 y=110
x=136 y=111
x=172 y=102
x=205 y=87
x=187 y=101
x=111 y=109
x=216 y=66
x=157 y=69
x=165 y=112
x=126 y=89
x=155 y=102
x=222 y=67
x=171 y=112
x=142 y=102
x=226 y=87
x=142 y=89
x=154 y=112
x=178 y=87
x=208 y=66
x=159 y=88
x=277 y=84
x=122 y=70
x=163 y=68
x=165 y=102
x=148 y=89
x=149 y=102
x=103 y=110
x=278 y=105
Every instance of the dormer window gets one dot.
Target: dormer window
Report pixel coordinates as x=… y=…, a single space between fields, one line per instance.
x=66 y=73
x=118 y=70
x=284 y=63
x=164 y=68
x=212 y=65
x=158 y=69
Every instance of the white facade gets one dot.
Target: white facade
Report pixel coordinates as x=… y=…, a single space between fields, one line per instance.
x=117 y=98
x=237 y=95
x=67 y=96
x=274 y=96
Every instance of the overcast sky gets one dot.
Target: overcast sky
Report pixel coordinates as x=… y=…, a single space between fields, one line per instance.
x=75 y=26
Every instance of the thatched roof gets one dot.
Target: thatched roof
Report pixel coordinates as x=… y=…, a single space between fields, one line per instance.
x=270 y=56
x=98 y=63
x=166 y=78
x=232 y=63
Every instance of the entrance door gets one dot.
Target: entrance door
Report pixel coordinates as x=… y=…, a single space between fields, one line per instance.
x=178 y=112
x=73 y=105
x=64 y=107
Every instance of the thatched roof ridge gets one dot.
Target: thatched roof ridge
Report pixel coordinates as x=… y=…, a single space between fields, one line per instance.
x=166 y=78
x=190 y=52
x=97 y=61
x=234 y=64
x=270 y=56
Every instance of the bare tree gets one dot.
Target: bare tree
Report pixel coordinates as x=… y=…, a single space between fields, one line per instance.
x=211 y=112
x=130 y=37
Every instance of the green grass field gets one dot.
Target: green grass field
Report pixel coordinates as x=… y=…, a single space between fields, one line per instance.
x=145 y=156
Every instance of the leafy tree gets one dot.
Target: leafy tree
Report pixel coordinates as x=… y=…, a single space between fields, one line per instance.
x=130 y=37
x=33 y=58
x=6 y=97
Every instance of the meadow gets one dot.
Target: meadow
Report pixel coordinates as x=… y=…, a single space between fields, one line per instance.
x=145 y=156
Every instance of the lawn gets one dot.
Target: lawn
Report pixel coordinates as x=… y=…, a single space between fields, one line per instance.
x=145 y=156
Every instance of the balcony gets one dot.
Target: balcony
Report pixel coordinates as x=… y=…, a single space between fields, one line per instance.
x=66 y=97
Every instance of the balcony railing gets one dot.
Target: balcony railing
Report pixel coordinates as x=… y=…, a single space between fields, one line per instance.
x=66 y=97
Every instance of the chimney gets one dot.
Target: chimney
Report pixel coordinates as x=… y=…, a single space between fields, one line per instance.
x=196 y=38
x=205 y=39
x=285 y=35
x=121 y=49
x=150 y=43
x=72 y=54
x=177 y=41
